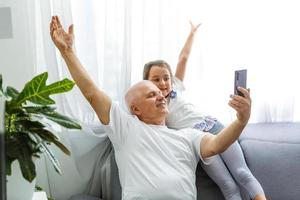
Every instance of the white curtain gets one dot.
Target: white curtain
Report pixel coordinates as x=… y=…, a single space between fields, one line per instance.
x=261 y=36
x=114 y=38
x=258 y=35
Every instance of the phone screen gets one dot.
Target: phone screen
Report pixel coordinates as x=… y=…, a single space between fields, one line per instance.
x=240 y=80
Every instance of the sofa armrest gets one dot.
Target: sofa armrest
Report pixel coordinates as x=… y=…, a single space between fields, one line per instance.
x=272 y=152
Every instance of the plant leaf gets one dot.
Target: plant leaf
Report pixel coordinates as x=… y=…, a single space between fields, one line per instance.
x=28 y=125
x=44 y=134
x=62 y=147
x=8 y=165
x=12 y=147
x=26 y=164
x=62 y=86
x=36 y=90
x=39 y=109
x=52 y=158
x=12 y=92
x=20 y=147
x=32 y=89
x=11 y=108
x=50 y=114
x=62 y=120
x=48 y=136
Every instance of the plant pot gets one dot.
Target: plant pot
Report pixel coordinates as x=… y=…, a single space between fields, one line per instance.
x=19 y=188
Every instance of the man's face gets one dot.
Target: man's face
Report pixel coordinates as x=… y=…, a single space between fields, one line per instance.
x=161 y=77
x=149 y=104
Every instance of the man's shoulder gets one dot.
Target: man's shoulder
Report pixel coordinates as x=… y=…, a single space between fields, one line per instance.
x=120 y=115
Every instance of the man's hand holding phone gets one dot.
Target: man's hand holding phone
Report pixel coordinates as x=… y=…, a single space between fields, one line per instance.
x=242 y=102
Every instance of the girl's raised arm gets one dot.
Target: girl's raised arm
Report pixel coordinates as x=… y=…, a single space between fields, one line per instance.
x=185 y=53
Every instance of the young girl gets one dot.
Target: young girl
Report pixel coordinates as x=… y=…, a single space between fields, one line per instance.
x=183 y=114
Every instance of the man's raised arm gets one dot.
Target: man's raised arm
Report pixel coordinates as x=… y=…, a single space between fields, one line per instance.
x=100 y=102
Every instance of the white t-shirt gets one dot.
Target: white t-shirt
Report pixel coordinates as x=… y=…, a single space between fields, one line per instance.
x=183 y=114
x=154 y=162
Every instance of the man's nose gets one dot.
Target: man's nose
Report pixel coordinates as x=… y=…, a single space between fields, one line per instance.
x=160 y=97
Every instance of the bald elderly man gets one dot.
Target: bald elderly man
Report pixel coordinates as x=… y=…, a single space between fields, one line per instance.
x=154 y=162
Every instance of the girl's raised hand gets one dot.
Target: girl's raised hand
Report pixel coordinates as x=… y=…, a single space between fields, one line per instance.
x=194 y=27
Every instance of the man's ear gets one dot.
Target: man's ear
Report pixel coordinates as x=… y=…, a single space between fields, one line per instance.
x=135 y=110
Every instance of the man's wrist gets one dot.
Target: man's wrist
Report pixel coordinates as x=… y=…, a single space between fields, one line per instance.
x=67 y=52
x=241 y=123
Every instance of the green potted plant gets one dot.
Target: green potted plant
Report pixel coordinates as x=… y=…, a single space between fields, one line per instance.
x=27 y=117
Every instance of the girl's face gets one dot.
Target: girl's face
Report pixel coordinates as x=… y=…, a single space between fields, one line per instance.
x=161 y=77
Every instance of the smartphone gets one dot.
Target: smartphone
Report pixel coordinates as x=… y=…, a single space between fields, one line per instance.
x=240 y=80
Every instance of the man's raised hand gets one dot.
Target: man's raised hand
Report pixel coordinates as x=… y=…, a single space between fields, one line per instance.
x=242 y=105
x=62 y=40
